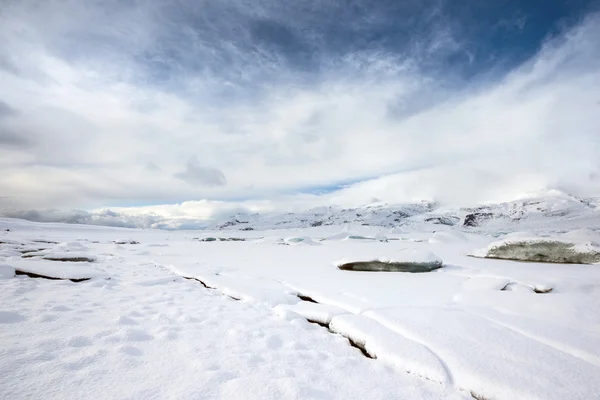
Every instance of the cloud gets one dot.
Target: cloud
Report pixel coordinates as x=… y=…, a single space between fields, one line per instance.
x=274 y=100
x=13 y=139
x=196 y=175
x=9 y=136
x=6 y=110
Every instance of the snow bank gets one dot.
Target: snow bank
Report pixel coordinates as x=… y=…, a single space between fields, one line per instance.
x=447 y=237
x=70 y=246
x=57 y=270
x=491 y=359
x=320 y=313
x=6 y=271
x=68 y=256
x=384 y=344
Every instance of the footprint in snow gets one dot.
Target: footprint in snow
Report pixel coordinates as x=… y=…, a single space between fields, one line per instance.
x=135 y=335
x=9 y=317
x=123 y=320
x=131 y=350
x=78 y=341
x=60 y=308
x=274 y=342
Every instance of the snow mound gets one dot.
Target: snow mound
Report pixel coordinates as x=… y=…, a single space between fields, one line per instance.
x=70 y=246
x=305 y=240
x=583 y=235
x=404 y=261
x=384 y=344
x=447 y=237
x=559 y=250
x=6 y=271
x=313 y=312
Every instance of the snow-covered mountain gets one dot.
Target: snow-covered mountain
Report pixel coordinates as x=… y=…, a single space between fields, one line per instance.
x=537 y=211
x=532 y=211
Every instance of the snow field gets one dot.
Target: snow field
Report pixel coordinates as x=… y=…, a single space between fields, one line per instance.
x=474 y=326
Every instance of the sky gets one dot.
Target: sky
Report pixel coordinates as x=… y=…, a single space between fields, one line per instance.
x=145 y=106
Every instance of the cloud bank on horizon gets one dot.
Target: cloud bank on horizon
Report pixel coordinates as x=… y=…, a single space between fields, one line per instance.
x=130 y=103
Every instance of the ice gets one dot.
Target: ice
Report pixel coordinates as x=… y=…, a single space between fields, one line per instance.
x=404 y=256
x=57 y=269
x=403 y=261
x=304 y=240
x=556 y=249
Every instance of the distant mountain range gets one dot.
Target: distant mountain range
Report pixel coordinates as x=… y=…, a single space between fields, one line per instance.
x=551 y=210
x=535 y=211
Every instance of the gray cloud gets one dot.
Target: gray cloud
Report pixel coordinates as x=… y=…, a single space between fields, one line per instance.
x=6 y=110
x=152 y=167
x=10 y=138
x=194 y=174
x=7 y=65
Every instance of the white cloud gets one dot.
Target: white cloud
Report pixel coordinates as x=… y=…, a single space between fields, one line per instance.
x=91 y=130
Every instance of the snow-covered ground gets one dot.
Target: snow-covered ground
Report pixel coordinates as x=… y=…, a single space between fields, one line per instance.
x=237 y=327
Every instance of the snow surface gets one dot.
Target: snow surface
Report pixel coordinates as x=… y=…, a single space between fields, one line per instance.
x=174 y=317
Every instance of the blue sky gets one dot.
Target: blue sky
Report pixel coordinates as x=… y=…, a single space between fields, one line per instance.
x=132 y=103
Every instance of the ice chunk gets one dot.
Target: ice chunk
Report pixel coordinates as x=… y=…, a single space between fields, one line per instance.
x=301 y=240
x=403 y=261
x=70 y=246
x=539 y=249
x=338 y=236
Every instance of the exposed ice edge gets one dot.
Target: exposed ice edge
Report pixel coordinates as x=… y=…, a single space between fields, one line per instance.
x=402 y=256
x=62 y=261
x=409 y=261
